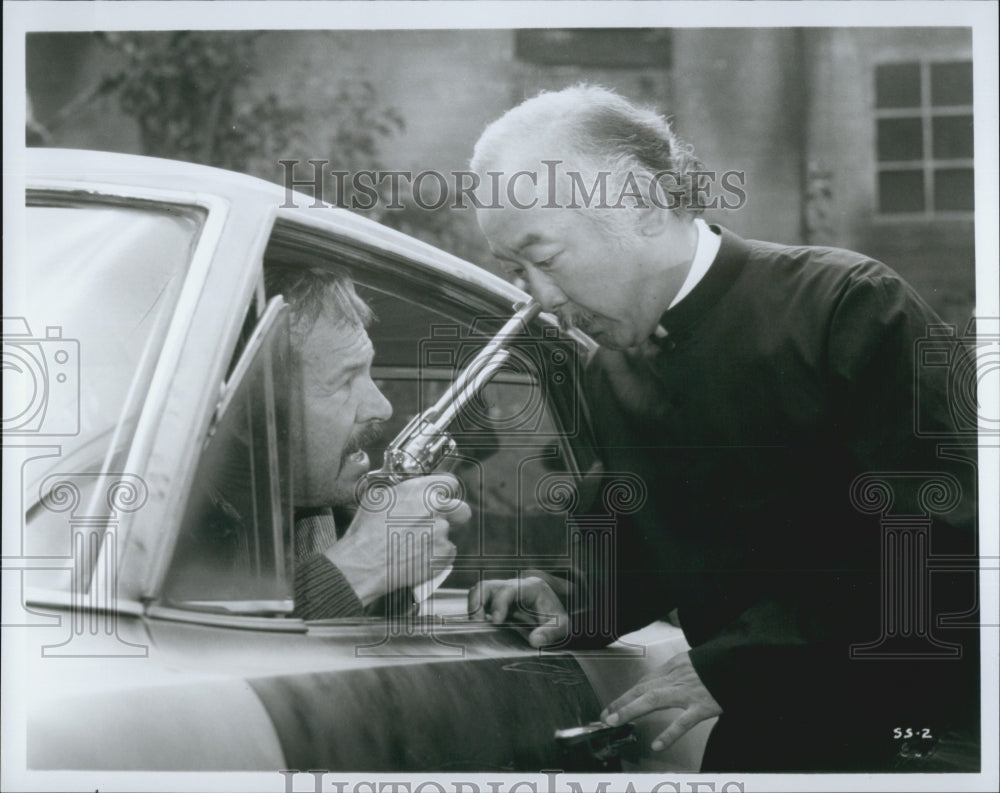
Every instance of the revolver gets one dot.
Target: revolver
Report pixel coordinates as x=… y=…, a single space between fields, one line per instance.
x=425 y=442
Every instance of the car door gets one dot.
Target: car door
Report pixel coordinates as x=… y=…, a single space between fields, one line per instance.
x=349 y=694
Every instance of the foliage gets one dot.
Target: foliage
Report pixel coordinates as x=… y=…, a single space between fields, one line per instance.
x=197 y=96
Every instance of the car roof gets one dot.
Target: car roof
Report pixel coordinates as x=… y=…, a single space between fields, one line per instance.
x=111 y=168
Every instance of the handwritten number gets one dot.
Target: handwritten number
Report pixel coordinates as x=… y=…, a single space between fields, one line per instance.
x=898 y=733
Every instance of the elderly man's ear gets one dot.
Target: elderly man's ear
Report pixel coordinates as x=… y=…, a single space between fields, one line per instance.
x=653 y=221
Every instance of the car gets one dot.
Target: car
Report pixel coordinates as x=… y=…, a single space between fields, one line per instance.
x=141 y=330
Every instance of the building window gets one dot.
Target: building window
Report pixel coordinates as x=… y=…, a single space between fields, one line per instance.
x=923 y=117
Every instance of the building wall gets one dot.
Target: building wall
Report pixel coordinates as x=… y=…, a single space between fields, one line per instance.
x=735 y=99
x=937 y=256
x=791 y=108
x=447 y=85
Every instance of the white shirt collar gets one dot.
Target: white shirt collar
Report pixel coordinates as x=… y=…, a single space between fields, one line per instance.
x=704 y=255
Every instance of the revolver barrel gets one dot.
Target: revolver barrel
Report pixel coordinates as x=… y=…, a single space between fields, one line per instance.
x=424 y=442
x=482 y=368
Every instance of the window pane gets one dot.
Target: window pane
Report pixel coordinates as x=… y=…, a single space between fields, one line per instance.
x=102 y=281
x=897 y=85
x=951 y=83
x=520 y=442
x=901 y=191
x=232 y=549
x=953 y=189
x=900 y=139
x=952 y=137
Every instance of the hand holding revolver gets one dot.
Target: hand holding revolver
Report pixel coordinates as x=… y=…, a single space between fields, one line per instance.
x=390 y=547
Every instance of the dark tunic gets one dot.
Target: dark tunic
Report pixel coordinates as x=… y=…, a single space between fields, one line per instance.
x=785 y=374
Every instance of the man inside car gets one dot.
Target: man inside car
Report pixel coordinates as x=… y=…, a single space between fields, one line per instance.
x=751 y=386
x=341 y=409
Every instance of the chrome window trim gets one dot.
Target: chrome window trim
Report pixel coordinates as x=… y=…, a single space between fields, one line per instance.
x=66 y=600
x=276 y=624
x=388 y=246
x=275 y=311
x=147 y=573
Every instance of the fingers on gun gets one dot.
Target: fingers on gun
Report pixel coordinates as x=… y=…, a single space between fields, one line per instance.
x=443 y=486
x=450 y=503
x=439 y=495
x=457 y=512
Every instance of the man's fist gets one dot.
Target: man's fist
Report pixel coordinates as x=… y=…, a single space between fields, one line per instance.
x=397 y=532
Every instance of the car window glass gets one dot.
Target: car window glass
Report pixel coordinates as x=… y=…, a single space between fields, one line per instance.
x=513 y=455
x=233 y=553
x=102 y=282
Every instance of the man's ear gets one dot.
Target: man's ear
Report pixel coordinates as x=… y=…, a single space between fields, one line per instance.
x=653 y=220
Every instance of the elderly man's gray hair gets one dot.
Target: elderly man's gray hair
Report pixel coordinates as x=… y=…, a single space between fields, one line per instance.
x=601 y=130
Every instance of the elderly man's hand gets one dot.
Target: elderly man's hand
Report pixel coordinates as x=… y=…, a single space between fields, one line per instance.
x=528 y=601
x=674 y=685
x=423 y=509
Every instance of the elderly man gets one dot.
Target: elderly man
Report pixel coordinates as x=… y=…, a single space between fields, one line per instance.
x=750 y=385
x=340 y=409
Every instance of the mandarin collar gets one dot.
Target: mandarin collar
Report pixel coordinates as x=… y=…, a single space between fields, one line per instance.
x=723 y=272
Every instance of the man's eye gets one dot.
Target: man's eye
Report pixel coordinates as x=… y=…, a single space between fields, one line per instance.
x=546 y=263
x=342 y=384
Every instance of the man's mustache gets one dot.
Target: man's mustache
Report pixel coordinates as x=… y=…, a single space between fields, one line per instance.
x=366 y=436
x=574 y=317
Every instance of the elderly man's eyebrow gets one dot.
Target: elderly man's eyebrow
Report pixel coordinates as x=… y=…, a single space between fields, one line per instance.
x=361 y=360
x=528 y=239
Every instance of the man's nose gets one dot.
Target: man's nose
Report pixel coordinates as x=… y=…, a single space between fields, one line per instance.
x=374 y=406
x=545 y=290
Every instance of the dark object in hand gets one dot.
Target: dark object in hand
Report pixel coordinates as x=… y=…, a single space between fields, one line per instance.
x=595 y=746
